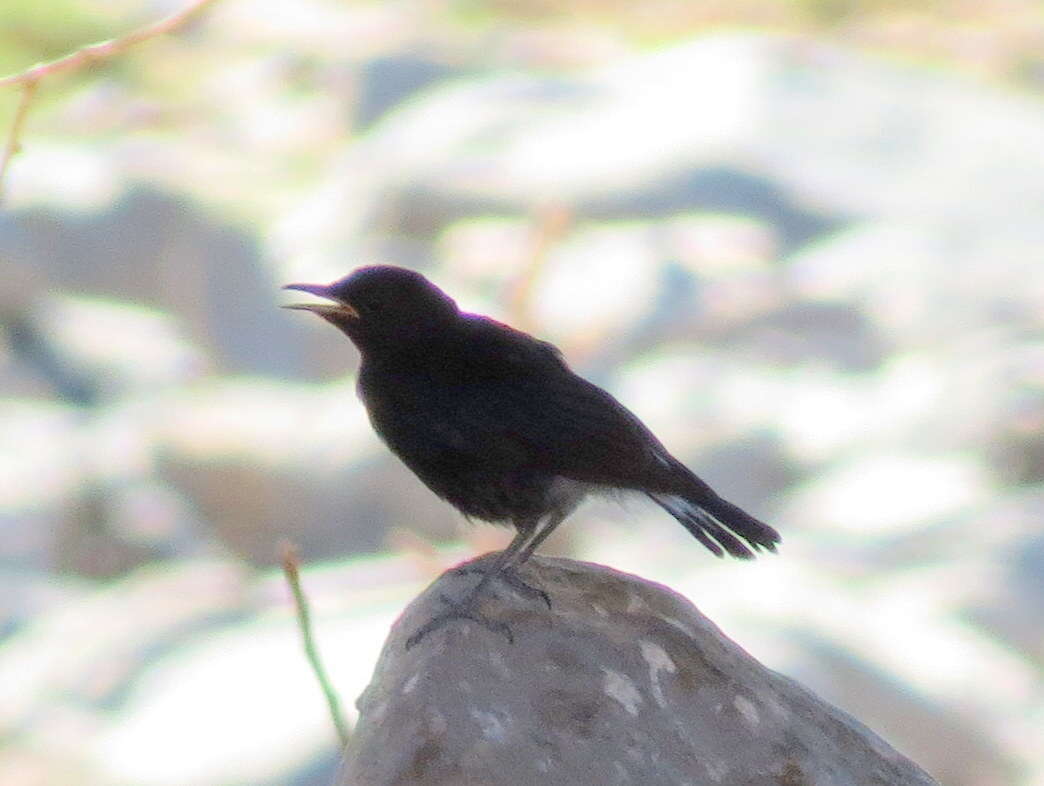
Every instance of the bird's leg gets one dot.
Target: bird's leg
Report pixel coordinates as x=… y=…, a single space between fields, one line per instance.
x=464 y=610
x=549 y=526
x=509 y=570
x=508 y=575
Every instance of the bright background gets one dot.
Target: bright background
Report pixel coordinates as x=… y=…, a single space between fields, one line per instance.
x=803 y=240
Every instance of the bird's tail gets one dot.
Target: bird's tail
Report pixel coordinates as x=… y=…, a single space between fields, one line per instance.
x=716 y=523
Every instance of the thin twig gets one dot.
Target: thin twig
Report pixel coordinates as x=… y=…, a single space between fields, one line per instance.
x=549 y=224
x=30 y=79
x=12 y=146
x=106 y=49
x=291 y=562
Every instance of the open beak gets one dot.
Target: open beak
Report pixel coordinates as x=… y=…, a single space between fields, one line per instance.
x=326 y=310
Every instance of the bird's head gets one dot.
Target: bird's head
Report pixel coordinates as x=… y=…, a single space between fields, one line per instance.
x=381 y=306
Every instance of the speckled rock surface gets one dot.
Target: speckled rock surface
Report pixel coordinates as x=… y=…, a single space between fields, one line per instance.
x=622 y=682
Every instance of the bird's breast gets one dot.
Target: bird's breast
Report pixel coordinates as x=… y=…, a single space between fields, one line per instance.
x=443 y=430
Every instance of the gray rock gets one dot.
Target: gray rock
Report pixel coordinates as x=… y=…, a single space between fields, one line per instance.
x=623 y=682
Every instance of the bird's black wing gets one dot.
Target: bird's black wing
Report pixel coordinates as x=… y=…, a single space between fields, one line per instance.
x=518 y=393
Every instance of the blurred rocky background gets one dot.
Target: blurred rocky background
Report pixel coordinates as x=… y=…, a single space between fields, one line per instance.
x=804 y=241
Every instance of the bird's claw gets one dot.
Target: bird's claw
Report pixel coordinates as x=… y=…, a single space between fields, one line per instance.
x=458 y=612
x=510 y=578
x=527 y=590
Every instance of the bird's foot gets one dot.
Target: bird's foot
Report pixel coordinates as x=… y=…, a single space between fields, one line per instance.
x=510 y=577
x=458 y=611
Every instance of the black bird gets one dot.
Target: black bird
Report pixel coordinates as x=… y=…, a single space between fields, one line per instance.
x=494 y=422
